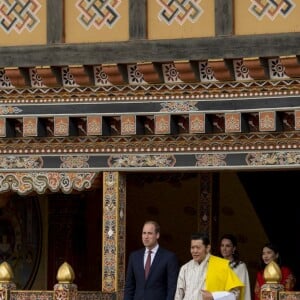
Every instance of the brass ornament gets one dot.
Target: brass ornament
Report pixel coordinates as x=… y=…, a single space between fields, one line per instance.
x=272 y=273
x=65 y=273
x=6 y=273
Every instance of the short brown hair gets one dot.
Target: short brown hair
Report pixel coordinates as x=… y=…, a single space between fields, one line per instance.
x=156 y=225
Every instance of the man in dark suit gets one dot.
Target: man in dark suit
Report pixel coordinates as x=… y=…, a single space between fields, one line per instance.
x=158 y=283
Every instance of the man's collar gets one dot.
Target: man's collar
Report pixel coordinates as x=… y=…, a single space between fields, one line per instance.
x=154 y=250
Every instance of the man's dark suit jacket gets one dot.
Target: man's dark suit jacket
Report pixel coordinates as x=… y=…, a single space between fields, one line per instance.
x=161 y=281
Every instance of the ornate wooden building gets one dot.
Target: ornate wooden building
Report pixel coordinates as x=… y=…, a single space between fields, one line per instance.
x=95 y=92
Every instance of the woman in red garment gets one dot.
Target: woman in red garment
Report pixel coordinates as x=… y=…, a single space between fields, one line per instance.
x=270 y=253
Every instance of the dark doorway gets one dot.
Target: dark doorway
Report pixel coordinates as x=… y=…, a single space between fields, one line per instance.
x=274 y=196
x=75 y=226
x=171 y=199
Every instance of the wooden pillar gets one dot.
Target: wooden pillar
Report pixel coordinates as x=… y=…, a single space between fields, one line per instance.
x=114 y=232
x=208 y=205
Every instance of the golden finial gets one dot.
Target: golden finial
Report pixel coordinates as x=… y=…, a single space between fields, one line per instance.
x=65 y=273
x=272 y=273
x=6 y=273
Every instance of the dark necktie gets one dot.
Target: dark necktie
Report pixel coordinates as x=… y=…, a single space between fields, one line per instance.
x=148 y=264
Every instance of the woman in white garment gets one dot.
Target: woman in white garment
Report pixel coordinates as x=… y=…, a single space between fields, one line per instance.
x=228 y=250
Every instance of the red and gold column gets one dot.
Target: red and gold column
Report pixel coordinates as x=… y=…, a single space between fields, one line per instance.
x=114 y=232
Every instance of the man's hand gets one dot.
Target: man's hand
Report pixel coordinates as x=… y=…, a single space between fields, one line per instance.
x=206 y=295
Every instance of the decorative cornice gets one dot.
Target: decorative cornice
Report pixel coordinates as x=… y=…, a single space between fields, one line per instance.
x=150 y=144
x=210 y=115
x=139 y=73
x=26 y=182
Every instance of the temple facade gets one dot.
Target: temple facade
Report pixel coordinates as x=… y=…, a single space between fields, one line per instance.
x=118 y=111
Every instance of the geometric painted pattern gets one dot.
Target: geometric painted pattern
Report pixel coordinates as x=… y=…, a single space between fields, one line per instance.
x=162 y=124
x=61 y=126
x=128 y=124
x=141 y=160
x=2 y=127
x=67 y=78
x=24 y=174
x=297 y=119
x=33 y=295
x=232 y=122
x=65 y=291
x=179 y=11
x=170 y=73
x=134 y=75
x=94 y=125
x=24 y=162
x=98 y=13
x=197 y=123
x=8 y=110
x=206 y=72
x=267 y=121
x=4 y=80
x=19 y=15
x=100 y=76
x=210 y=160
x=114 y=191
x=30 y=126
x=26 y=182
x=80 y=161
x=95 y=295
x=271 y=8
x=35 y=78
x=276 y=69
x=272 y=158
x=177 y=106
x=241 y=72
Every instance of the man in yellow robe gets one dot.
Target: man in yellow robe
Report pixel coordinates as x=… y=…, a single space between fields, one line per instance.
x=206 y=275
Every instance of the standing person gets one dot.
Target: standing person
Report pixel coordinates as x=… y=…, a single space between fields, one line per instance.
x=270 y=252
x=158 y=282
x=228 y=250
x=206 y=274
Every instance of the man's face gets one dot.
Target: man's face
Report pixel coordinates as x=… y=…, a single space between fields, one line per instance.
x=199 y=250
x=149 y=236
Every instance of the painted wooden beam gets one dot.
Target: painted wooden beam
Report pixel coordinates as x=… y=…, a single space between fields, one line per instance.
x=159 y=50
